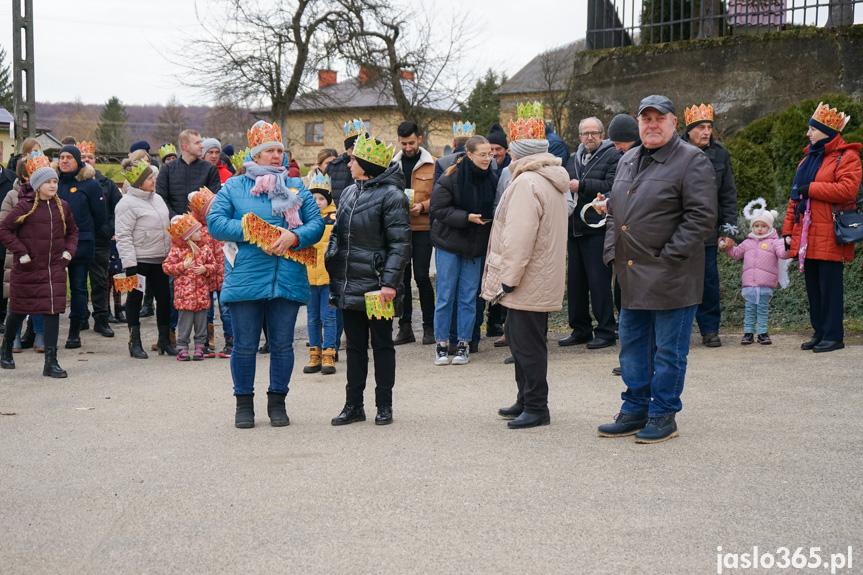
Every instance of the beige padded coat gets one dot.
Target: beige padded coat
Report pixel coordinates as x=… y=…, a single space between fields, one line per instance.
x=140 y=222
x=527 y=249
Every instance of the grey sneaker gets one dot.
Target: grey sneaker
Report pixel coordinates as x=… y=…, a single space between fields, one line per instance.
x=462 y=354
x=441 y=357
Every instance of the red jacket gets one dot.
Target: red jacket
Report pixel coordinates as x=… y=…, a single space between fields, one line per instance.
x=218 y=276
x=224 y=173
x=191 y=291
x=837 y=182
x=293 y=169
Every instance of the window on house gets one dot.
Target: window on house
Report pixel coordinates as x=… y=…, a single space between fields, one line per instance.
x=314 y=133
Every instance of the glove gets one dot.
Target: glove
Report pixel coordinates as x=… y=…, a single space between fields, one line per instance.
x=507 y=289
x=132 y=271
x=787 y=242
x=804 y=192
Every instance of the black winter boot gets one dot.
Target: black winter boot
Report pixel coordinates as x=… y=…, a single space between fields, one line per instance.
x=100 y=326
x=52 y=368
x=119 y=312
x=29 y=335
x=7 y=361
x=276 y=409
x=74 y=339
x=350 y=414
x=164 y=342
x=245 y=416
x=136 y=350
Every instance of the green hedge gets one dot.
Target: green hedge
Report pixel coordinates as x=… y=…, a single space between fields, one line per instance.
x=753 y=173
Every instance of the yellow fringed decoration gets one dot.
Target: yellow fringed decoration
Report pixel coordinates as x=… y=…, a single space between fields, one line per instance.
x=263 y=234
x=377 y=308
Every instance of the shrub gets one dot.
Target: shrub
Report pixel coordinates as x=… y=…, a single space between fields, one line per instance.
x=753 y=172
x=758 y=132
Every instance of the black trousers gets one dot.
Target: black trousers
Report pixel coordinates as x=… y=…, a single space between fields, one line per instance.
x=158 y=281
x=98 y=270
x=420 y=263
x=357 y=328
x=496 y=313
x=825 y=288
x=50 y=327
x=589 y=284
x=525 y=332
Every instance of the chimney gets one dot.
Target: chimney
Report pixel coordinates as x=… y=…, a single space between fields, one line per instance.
x=364 y=75
x=407 y=75
x=327 y=78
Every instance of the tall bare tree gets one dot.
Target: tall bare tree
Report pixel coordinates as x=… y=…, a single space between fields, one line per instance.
x=557 y=70
x=172 y=120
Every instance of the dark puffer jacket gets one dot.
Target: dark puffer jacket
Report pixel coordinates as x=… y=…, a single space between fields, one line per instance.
x=84 y=195
x=39 y=286
x=451 y=231
x=178 y=179
x=112 y=195
x=370 y=244
x=594 y=178
x=726 y=190
x=340 y=176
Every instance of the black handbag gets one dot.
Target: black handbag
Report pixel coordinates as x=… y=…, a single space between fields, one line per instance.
x=848 y=223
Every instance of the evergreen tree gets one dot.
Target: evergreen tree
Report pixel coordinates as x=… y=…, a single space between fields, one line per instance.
x=482 y=106
x=113 y=133
x=7 y=96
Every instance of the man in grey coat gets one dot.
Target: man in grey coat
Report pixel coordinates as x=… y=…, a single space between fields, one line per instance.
x=661 y=209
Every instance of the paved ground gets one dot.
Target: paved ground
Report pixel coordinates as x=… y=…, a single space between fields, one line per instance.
x=152 y=477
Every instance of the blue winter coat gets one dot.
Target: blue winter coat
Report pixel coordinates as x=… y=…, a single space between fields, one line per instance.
x=84 y=195
x=256 y=275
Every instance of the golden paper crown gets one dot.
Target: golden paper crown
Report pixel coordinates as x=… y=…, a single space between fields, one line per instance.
x=167 y=150
x=354 y=128
x=320 y=182
x=370 y=151
x=702 y=113
x=134 y=172
x=530 y=124
x=264 y=134
x=830 y=117
x=36 y=161
x=200 y=201
x=238 y=158
x=182 y=227
x=463 y=130
x=86 y=147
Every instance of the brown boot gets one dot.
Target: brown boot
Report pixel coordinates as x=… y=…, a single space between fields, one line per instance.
x=314 y=365
x=501 y=342
x=211 y=329
x=328 y=361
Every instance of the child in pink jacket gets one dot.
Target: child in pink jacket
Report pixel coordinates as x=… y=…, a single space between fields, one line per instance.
x=761 y=253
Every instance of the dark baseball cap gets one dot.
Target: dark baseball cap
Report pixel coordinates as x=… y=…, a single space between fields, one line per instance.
x=661 y=103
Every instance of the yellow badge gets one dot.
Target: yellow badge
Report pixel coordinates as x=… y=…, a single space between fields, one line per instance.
x=764 y=245
x=295 y=190
x=73 y=190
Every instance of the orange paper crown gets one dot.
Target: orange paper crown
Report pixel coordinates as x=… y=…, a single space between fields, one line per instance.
x=263 y=234
x=125 y=284
x=702 y=113
x=530 y=124
x=264 y=134
x=36 y=161
x=182 y=227
x=201 y=201
x=86 y=147
x=830 y=117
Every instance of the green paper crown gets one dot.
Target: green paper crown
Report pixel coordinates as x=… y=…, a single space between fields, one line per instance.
x=167 y=150
x=134 y=172
x=238 y=159
x=528 y=110
x=378 y=154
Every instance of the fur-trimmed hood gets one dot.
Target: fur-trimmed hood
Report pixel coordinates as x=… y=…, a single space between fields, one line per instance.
x=544 y=164
x=85 y=173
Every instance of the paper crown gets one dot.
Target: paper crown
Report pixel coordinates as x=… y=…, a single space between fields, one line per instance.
x=264 y=134
x=167 y=150
x=238 y=158
x=830 y=117
x=702 y=113
x=370 y=151
x=463 y=130
x=200 y=201
x=320 y=182
x=86 y=147
x=134 y=172
x=354 y=128
x=36 y=161
x=182 y=227
x=530 y=124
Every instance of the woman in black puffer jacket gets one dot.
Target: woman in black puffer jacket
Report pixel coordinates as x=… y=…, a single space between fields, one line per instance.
x=369 y=247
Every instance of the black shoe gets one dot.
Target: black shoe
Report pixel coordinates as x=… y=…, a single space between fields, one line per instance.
x=658 y=429
x=146 y=311
x=511 y=412
x=473 y=347
x=245 y=415
x=764 y=339
x=228 y=349
x=112 y=319
x=827 y=345
x=624 y=424
x=747 y=339
x=264 y=348
x=7 y=361
x=809 y=345
x=74 y=339
x=509 y=361
x=119 y=314
x=493 y=330
x=599 y=343
x=405 y=335
x=616 y=370
x=573 y=339
x=136 y=350
x=384 y=416
x=52 y=368
x=29 y=335
x=350 y=414
x=428 y=335
x=101 y=327
x=85 y=325
x=164 y=343
x=526 y=420
x=276 y=409
x=711 y=340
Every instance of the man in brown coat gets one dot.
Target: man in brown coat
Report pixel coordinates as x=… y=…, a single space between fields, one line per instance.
x=661 y=208
x=526 y=264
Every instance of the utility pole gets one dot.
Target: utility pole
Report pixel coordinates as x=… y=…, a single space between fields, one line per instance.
x=22 y=70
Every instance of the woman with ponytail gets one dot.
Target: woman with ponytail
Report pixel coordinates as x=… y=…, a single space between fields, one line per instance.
x=42 y=236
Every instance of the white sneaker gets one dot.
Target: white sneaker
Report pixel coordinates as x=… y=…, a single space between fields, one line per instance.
x=462 y=354
x=440 y=354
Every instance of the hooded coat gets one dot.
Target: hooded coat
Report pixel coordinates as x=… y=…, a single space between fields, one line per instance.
x=85 y=198
x=760 y=259
x=191 y=291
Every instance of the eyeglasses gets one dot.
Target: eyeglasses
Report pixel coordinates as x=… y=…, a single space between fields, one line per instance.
x=482 y=156
x=590 y=134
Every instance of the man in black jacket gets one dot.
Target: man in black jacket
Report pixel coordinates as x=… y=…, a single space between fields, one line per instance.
x=338 y=170
x=187 y=174
x=591 y=170
x=699 y=133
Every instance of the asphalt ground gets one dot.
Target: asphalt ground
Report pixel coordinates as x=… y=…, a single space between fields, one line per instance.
x=132 y=466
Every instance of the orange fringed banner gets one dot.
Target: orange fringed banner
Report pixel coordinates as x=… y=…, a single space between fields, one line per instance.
x=263 y=234
x=123 y=284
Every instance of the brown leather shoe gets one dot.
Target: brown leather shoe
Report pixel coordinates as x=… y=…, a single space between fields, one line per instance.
x=501 y=342
x=711 y=340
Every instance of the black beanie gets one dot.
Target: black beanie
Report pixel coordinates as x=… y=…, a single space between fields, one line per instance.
x=623 y=128
x=349 y=142
x=324 y=192
x=693 y=124
x=75 y=152
x=496 y=135
x=369 y=168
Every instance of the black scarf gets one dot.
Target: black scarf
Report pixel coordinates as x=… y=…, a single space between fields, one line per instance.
x=805 y=174
x=476 y=188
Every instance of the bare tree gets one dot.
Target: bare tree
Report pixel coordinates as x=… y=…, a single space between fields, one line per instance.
x=228 y=121
x=557 y=70
x=172 y=120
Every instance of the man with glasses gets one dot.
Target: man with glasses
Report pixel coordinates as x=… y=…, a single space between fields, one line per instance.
x=591 y=170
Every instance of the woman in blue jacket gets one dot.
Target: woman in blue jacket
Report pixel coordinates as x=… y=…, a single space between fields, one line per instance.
x=262 y=284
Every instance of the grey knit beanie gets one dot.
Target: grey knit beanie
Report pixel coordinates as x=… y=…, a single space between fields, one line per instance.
x=521 y=148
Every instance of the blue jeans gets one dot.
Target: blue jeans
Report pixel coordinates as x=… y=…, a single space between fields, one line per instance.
x=708 y=315
x=78 y=291
x=654 y=345
x=224 y=313
x=757 y=307
x=320 y=313
x=457 y=282
x=248 y=320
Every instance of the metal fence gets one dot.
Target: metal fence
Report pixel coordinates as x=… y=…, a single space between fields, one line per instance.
x=612 y=23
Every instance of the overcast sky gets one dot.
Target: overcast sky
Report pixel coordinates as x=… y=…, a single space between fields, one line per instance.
x=95 y=49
